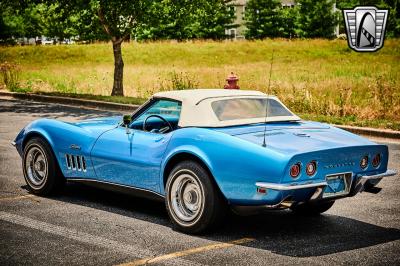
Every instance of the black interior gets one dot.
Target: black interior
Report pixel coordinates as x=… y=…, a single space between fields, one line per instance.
x=154 y=124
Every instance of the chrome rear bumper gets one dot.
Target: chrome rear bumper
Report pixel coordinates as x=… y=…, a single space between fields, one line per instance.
x=363 y=180
x=319 y=188
x=389 y=172
x=358 y=185
x=293 y=186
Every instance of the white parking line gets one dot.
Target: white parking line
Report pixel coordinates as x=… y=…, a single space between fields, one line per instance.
x=187 y=252
x=84 y=237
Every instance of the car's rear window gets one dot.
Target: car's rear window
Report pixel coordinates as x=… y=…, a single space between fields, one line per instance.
x=247 y=108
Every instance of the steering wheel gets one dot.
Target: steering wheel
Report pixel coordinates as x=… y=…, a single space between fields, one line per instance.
x=161 y=130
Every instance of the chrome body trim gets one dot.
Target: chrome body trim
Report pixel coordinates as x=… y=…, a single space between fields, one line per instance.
x=83 y=163
x=75 y=147
x=353 y=186
x=119 y=188
x=68 y=161
x=363 y=180
x=73 y=162
x=78 y=163
x=389 y=172
x=293 y=186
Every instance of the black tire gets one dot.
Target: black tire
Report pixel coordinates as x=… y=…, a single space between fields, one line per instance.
x=312 y=209
x=53 y=180
x=212 y=208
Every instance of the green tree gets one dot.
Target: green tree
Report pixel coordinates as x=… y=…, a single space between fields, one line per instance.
x=394 y=18
x=118 y=19
x=263 y=19
x=211 y=18
x=316 y=19
x=11 y=26
x=19 y=19
x=11 y=21
x=32 y=20
x=56 y=21
x=186 y=19
x=88 y=27
x=288 y=17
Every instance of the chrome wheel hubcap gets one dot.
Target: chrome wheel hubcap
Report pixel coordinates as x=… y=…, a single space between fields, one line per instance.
x=186 y=197
x=36 y=166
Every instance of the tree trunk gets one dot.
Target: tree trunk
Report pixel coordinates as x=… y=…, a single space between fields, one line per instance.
x=118 y=87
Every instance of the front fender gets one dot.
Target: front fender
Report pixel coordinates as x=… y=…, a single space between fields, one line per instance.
x=33 y=129
x=60 y=136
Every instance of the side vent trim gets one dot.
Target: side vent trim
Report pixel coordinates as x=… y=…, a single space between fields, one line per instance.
x=78 y=163
x=68 y=160
x=75 y=162
x=83 y=163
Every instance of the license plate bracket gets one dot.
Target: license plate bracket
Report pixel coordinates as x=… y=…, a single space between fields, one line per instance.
x=338 y=185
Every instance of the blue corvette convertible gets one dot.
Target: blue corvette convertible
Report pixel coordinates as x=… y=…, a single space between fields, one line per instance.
x=204 y=151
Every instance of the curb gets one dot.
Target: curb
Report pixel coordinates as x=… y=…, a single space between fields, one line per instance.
x=383 y=133
x=71 y=101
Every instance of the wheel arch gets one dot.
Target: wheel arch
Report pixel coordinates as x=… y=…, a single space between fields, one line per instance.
x=42 y=135
x=28 y=136
x=186 y=156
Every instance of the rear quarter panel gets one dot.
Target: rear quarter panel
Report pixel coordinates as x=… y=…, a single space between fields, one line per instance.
x=235 y=164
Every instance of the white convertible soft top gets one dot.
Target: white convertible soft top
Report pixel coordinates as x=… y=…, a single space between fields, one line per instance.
x=197 y=111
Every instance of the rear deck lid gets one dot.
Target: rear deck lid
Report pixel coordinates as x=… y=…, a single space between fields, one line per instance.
x=297 y=137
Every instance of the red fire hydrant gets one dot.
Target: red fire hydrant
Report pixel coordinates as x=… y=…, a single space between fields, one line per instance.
x=232 y=80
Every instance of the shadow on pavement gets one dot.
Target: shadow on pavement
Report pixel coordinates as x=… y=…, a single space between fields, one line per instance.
x=280 y=232
x=45 y=110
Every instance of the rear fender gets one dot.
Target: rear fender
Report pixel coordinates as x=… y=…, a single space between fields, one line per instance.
x=187 y=149
x=235 y=164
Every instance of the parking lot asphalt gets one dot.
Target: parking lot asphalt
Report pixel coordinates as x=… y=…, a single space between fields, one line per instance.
x=87 y=226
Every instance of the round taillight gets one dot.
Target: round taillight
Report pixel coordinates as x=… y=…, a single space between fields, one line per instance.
x=311 y=168
x=364 y=162
x=295 y=170
x=376 y=161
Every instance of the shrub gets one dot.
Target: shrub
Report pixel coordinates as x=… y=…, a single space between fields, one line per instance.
x=183 y=81
x=10 y=75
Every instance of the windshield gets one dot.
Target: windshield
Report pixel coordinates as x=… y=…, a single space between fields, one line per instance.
x=164 y=108
x=247 y=108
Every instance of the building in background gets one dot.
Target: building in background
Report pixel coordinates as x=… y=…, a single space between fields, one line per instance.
x=239 y=29
x=288 y=3
x=239 y=6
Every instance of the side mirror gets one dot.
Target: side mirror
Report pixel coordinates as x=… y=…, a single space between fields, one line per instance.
x=127 y=120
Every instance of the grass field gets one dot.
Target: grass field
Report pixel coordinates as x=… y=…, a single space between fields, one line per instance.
x=320 y=79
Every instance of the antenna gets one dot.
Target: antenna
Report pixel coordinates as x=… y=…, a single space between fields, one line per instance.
x=267 y=104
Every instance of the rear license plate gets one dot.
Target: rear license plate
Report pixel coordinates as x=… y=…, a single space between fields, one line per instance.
x=338 y=185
